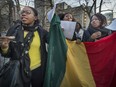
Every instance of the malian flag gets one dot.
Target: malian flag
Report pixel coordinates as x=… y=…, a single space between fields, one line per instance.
x=89 y=64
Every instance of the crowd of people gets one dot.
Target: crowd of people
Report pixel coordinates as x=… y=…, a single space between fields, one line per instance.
x=31 y=38
x=95 y=31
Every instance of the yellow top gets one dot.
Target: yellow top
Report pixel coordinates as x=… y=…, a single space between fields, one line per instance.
x=34 y=51
x=5 y=50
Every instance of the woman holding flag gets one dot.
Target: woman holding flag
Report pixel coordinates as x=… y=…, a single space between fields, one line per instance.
x=96 y=29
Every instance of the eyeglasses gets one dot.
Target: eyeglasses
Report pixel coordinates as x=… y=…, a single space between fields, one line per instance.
x=25 y=11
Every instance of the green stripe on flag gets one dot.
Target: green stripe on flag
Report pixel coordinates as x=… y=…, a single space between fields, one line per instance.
x=56 y=62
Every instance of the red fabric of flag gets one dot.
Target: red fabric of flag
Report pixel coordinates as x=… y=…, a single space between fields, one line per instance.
x=102 y=58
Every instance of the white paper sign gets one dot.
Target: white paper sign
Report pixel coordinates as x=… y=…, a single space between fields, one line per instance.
x=112 y=26
x=68 y=28
x=50 y=14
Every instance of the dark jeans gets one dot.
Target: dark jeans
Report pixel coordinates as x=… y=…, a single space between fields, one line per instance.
x=36 y=79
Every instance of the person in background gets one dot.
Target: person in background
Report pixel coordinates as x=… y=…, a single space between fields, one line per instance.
x=96 y=29
x=66 y=17
x=29 y=43
x=78 y=33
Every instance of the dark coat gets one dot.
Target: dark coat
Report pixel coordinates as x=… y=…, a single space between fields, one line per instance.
x=87 y=34
x=16 y=46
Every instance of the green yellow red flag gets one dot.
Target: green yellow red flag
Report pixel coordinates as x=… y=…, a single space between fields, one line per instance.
x=89 y=64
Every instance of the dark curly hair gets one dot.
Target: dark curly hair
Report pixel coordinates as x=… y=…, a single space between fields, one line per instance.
x=101 y=18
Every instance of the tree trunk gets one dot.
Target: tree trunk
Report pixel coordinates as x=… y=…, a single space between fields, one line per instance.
x=43 y=6
x=5 y=14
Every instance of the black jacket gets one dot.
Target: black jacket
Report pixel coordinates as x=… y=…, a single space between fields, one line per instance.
x=87 y=34
x=16 y=46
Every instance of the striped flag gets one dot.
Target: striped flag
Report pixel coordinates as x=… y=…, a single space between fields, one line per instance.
x=89 y=64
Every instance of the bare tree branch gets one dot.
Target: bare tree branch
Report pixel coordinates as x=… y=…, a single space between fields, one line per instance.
x=100 y=6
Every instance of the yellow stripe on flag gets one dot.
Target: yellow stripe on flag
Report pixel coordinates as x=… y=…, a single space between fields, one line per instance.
x=78 y=72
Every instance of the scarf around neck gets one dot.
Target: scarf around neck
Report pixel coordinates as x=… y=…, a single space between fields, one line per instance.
x=30 y=28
